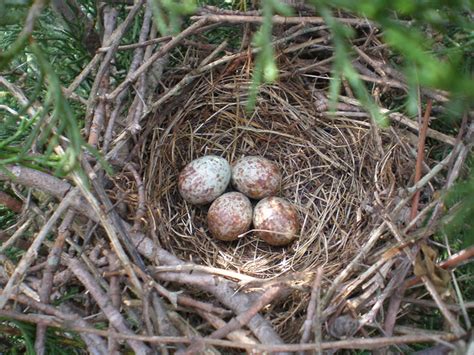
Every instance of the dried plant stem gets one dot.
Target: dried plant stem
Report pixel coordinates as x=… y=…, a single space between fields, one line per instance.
x=141 y=209
x=187 y=79
x=179 y=299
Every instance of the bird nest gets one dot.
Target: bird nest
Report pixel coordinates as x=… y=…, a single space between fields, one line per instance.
x=336 y=166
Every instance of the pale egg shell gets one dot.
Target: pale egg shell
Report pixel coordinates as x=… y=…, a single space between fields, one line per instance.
x=229 y=216
x=276 y=221
x=256 y=177
x=204 y=179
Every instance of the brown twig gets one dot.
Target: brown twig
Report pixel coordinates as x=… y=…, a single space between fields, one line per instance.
x=32 y=252
x=279 y=20
x=236 y=335
x=164 y=325
x=420 y=157
x=236 y=323
x=49 y=271
x=115 y=296
x=94 y=342
x=205 y=269
x=35 y=179
x=94 y=128
x=16 y=235
x=114 y=41
x=10 y=202
x=353 y=343
x=163 y=50
x=457 y=329
x=104 y=302
x=141 y=209
x=310 y=321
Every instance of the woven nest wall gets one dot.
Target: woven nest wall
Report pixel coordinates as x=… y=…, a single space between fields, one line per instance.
x=335 y=169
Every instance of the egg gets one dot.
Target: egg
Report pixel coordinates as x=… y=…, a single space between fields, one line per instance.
x=204 y=179
x=229 y=216
x=276 y=221
x=256 y=177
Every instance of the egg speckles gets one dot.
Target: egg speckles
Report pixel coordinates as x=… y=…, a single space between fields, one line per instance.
x=229 y=216
x=276 y=221
x=204 y=179
x=256 y=177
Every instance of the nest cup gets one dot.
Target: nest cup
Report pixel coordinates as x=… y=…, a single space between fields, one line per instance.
x=335 y=168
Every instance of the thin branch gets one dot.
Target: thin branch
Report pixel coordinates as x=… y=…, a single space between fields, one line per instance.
x=32 y=253
x=10 y=202
x=279 y=20
x=68 y=319
x=54 y=258
x=457 y=329
x=239 y=321
x=112 y=314
x=163 y=50
x=353 y=343
x=420 y=157
x=206 y=269
x=310 y=313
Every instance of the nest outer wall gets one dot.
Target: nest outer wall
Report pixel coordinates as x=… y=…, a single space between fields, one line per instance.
x=337 y=170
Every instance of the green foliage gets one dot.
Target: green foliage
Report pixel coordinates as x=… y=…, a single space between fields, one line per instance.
x=7 y=217
x=265 y=69
x=23 y=343
x=439 y=61
x=167 y=14
x=461 y=226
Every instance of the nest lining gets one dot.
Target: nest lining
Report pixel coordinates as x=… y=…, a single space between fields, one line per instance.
x=333 y=168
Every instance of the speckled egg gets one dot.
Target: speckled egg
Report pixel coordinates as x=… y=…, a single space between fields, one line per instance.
x=276 y=221
x=204 y=179
x=256 y=177
x=229 y=216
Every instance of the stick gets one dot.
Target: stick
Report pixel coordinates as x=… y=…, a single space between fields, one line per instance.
x=315 y=294
x=32 y=252
x=112 y=314
x=10 y=202
x=420 y=157
x=50 y=269
x=237 y=322
x=163 y=50
x=353 y=343
x=457 y=329
x=279 y=20
x=453 y=261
